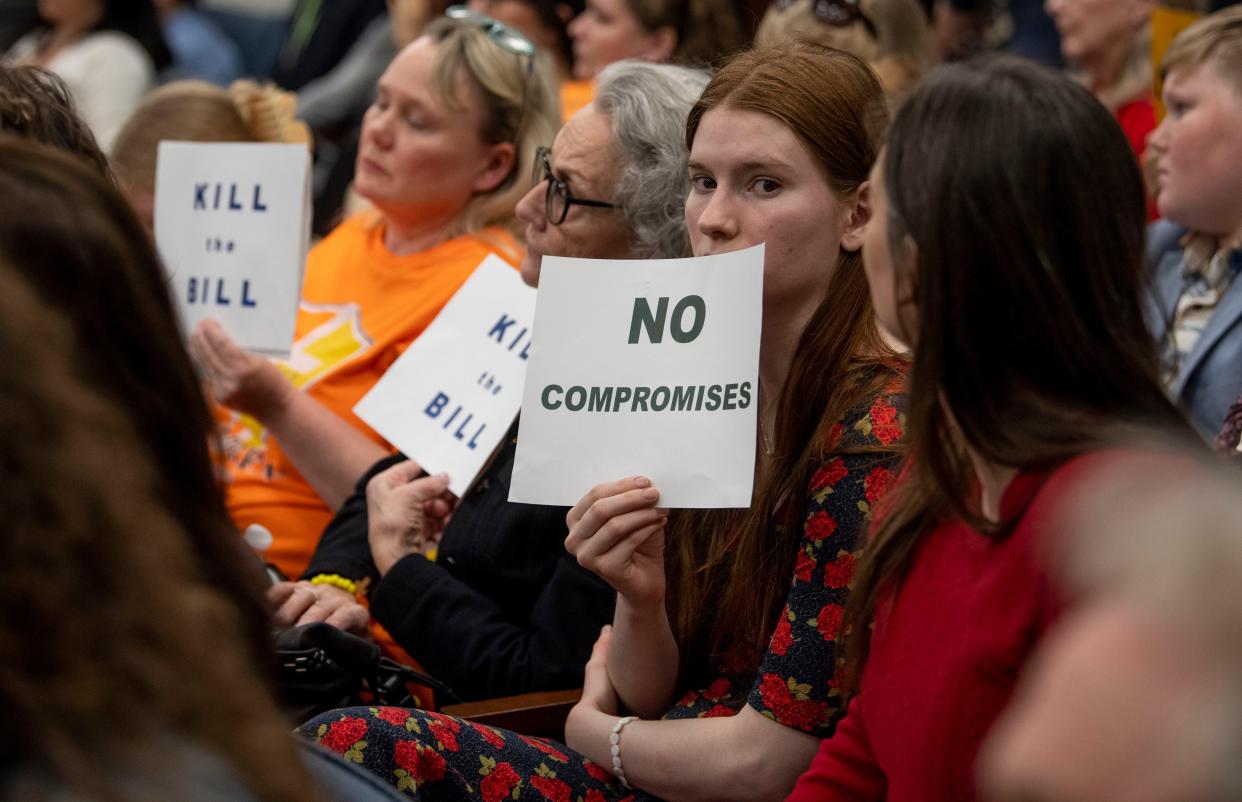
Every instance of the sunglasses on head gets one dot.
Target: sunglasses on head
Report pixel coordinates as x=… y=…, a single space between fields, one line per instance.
x=508 y=39
x=837 y=13
x=505 y=37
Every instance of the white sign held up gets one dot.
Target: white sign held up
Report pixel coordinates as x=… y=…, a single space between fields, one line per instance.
x=232 y=222
x=643 y=368
x=452 y=395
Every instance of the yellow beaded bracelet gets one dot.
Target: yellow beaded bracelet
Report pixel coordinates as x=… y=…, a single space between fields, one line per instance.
x=336 y=581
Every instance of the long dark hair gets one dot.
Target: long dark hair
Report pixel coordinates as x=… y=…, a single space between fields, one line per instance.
x=123 y=664
x=73 y=237
x=729 y=570
x=1026 y=213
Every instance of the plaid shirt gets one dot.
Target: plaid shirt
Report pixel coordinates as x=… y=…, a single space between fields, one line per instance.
x=1208 y=268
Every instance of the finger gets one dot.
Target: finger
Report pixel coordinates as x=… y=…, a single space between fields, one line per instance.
x=217 y=338
x=209 y=356
x=615 y=561
x=402 y=473
x=350 y=618
x=603 y=510
x=603 y=491
x=420 y=491
x=294 y=607
x=601 y=643
x=599 y=652
x=323 y=608
x=279 y=593
x=437 y=508
x=612 y=535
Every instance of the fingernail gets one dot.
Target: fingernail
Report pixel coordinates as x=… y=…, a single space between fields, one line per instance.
x=663 y=513
x=642 y=481
x=442 y=476
x=651 y=493
x=607 y=628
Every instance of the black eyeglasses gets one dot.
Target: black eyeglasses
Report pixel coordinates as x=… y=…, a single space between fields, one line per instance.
x=558 y=199
x=837 y=13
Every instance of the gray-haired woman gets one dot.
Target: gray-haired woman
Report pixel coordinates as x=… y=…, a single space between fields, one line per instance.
x=503 y=608
x=614 y=182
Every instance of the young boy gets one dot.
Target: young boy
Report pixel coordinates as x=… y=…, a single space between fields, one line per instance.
x=1196 y=251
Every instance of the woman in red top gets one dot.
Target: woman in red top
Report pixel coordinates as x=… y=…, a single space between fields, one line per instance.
x=1110 y=41
x=1020 y=294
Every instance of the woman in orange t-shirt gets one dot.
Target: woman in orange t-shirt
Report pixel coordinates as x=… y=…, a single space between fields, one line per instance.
x=447 y=149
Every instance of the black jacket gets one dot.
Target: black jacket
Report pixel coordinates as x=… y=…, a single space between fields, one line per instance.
x=503 y=610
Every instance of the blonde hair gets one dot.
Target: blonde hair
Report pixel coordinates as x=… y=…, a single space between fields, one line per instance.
x=1216 y=38
x=900 y=52
x=196 y=111
x=1137 y=79
x=521 y=105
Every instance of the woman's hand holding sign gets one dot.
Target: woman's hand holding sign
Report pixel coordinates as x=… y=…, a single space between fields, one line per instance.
x=249 y=384
x=616 y=531
x=406 y=513
x=327 y=450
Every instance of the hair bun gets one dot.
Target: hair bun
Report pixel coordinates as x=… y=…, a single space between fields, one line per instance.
x=270 y=113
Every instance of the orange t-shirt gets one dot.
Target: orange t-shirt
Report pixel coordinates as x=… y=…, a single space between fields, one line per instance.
x=575 y=95
x=361 y=307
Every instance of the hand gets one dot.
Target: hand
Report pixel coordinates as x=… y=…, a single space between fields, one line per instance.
x=593 y=716
x=616 y=531
x=406 y=514
x=297 y=603
x=597 y=690
x=249 y=384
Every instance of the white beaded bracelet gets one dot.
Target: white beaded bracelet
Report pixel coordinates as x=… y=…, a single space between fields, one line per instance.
x=614 y=741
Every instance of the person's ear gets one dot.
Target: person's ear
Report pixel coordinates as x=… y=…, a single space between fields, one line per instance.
x=494 y=167
x=661 y=44
x=859 y=214
x=564 y=13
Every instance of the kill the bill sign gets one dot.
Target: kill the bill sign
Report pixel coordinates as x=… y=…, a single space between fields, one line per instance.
x=450 y=398
x=643 y=368
x=232 y=222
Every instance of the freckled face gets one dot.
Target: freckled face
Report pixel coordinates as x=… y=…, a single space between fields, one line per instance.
x=752 y=181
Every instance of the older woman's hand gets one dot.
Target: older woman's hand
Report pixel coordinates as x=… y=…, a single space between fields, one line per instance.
x=249 y=384
x=297 y=603
x=406 y=513
x=616 y=531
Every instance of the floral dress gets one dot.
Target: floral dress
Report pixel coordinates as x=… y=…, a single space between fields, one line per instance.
x=438 y=757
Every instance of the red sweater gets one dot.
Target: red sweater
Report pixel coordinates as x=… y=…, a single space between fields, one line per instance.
x=944 y=657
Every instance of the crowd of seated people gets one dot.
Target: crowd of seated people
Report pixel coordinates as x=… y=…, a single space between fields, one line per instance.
x=990 y=551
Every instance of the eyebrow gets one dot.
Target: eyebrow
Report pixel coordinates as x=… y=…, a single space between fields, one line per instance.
x=563 y=173
x=396 y=93
x=752 y=166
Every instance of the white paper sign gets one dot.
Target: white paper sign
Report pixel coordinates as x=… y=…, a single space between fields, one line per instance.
x=453 y=394
x=232 y=222
x=643 y=368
